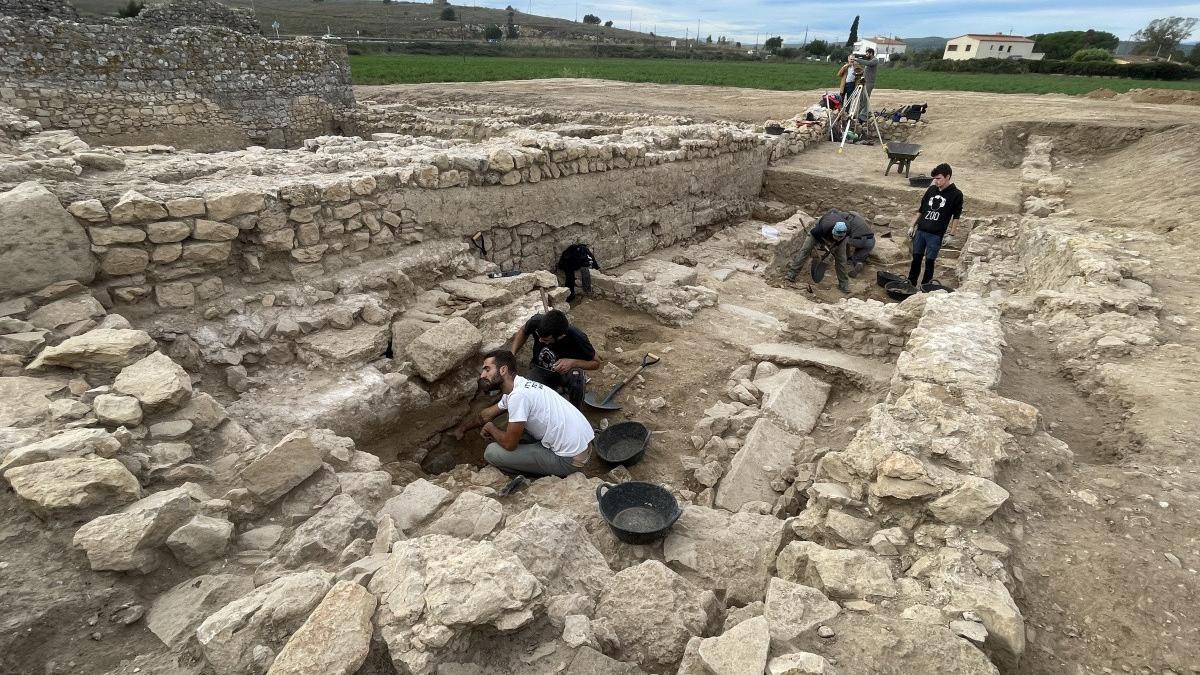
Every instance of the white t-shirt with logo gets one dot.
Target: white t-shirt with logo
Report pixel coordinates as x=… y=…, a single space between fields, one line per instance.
x=548 y=416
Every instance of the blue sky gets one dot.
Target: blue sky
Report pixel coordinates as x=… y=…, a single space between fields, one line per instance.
x=742 y=19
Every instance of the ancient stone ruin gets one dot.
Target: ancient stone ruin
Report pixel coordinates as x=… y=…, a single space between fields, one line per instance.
x=239 y=310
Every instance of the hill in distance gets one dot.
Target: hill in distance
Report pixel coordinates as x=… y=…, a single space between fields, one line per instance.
x=403 y=20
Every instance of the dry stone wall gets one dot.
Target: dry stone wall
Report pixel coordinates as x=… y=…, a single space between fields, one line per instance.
x=171 y=15
x=526 y=203
x=206 y=88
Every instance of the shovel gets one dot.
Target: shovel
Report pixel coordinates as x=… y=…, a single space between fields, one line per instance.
x=820 y=267
x=607 y=403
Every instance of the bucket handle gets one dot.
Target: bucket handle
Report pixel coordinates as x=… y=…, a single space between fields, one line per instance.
x=602 y=489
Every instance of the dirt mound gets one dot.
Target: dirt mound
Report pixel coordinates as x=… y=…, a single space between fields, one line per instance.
x=1176 y=96
x=1103 y=94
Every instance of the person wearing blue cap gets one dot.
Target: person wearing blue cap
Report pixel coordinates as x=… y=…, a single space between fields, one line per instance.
x=831 y=233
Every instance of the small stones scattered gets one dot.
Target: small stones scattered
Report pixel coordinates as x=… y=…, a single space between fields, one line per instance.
x=825 y=632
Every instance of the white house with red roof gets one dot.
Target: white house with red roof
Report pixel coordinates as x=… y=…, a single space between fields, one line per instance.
x=884 y=47
x=990 y=46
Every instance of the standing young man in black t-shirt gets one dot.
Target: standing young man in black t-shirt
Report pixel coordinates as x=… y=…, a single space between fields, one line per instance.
x=561 y=353
x=939 y=212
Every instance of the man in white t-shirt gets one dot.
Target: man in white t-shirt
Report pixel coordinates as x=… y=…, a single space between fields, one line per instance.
x=563 y=435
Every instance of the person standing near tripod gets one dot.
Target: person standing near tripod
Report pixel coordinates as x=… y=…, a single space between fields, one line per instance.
x=849 y=75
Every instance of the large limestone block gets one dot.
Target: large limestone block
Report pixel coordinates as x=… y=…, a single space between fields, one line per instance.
x=237 y=637
x=66 y=312
x=443 y=347
x=793 y=610
x=282 y=468
x=42 y=243
x=371 y=489
x=200 y=540
x=842 y=573
x=134 y=207
x=470 y=516
x=867 y=643
x=70 y=443
x=794 y=399
x=767 y=449
x=742 y=650
x=993 y=603
x=323 y=537
x=359 y=344
x=557 y=550
x=588 y=661
x=176 y=614
x=419 y=500
x=485 y=294
x=654 y=613
x=971 y=503
x=126 y=541
x=723 y=551
x=26 y=400
x=101 y=348
x=115 y=410
x=435 y=588
x=155 y=381
x=74 y=485
x=336 y=637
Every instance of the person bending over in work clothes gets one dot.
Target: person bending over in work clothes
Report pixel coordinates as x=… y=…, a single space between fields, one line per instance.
x=937 y=215
x=561 y=435
x=561 y=352
x=831 y=234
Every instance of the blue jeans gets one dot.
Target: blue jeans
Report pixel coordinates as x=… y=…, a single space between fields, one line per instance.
x=925 y=245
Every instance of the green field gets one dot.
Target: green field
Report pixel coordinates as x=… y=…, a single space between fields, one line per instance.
x=389 y=69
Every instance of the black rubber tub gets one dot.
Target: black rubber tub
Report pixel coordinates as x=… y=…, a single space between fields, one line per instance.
x=637 y=512
x=623 y=443
x=920 y=181
x=901 y=290
x=883 y=278
x=935 y=286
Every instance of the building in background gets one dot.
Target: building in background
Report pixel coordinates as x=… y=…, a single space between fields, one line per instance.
x=997 y=46
x=884 y=47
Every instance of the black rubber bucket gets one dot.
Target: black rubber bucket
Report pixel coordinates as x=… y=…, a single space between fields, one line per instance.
x=883 y=278
x=935 y=286
x=920 y=181
x=623 y=443
x=901 y=290
x=637 y=512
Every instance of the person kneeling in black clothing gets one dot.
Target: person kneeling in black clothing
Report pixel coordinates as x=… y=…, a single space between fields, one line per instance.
x=561 y=353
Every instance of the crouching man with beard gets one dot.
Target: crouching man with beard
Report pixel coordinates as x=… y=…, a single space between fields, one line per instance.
x=545 y=434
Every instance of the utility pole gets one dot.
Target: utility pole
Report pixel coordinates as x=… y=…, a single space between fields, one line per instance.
x=805 y=37
x=697 y=32
x=630 y=19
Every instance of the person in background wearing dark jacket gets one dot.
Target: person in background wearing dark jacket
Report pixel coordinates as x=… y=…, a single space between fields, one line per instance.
x=561 y=352
x=831 y=233
x=937 y=215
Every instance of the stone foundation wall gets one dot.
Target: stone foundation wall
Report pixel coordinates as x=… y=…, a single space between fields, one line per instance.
x=206 y=88
x=300 y=232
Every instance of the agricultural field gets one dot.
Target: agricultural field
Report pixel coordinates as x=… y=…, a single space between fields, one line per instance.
x=397 y=69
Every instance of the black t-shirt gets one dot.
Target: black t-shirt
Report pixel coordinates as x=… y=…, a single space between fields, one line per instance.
x=574 y=344
x=938 y=208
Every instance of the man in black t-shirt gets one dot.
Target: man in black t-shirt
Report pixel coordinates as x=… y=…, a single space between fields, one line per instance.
x=938 y=214
x=561 y=353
